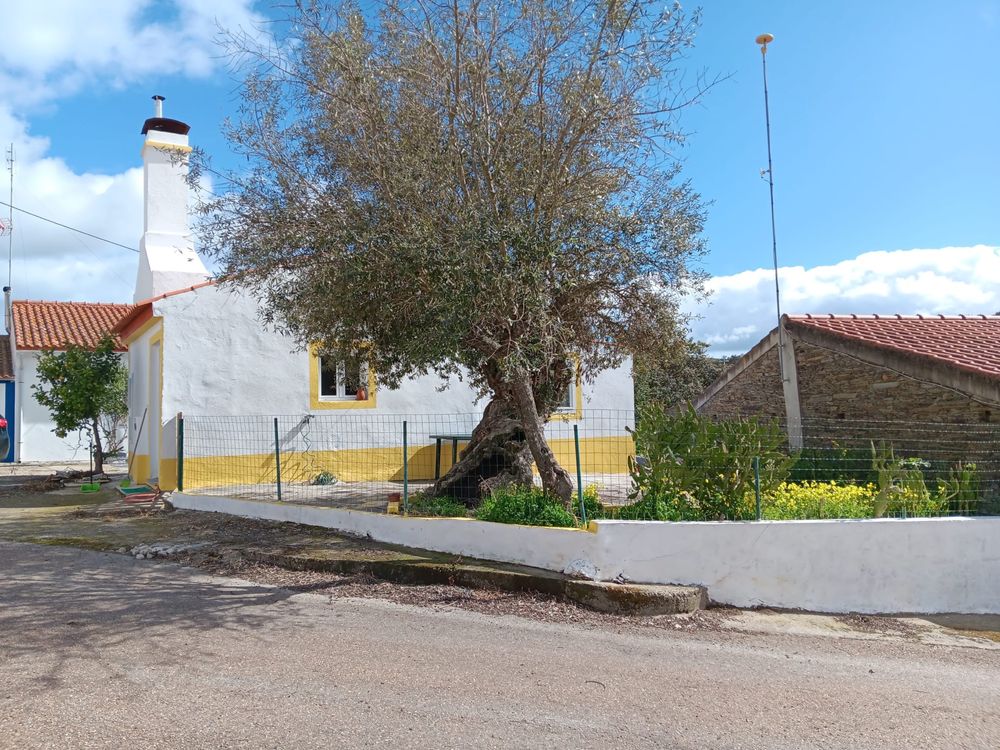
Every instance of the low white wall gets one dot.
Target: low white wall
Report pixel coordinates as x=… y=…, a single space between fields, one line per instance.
x=914 y=565
x=886 y=565
x=547 y=548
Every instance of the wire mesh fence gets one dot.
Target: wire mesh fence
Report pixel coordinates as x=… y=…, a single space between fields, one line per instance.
x=665 y=467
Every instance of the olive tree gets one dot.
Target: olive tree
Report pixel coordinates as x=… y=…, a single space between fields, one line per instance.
x=482 y=189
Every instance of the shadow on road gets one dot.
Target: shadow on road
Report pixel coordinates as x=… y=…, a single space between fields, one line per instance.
x=72 y=604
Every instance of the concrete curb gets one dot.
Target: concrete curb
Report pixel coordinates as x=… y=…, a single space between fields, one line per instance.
x=614 y=598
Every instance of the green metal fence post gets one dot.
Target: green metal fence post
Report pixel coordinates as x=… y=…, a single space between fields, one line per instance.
x=756 y=483
x=277 y=458
x=406 y=474
x=579 y=474
x=180 y=452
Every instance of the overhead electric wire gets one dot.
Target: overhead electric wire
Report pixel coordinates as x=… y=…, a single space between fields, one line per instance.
x=67 y=226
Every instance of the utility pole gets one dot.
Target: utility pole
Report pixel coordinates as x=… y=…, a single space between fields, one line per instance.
x=10 y=214
x=763 y=40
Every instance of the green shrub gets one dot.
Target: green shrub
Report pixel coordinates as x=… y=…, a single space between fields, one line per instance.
x=808 y=500
x=833 y=464
x=324 y=477
x=646 y=509
x=422 y=505
x=901 y=486
x=961 y=489
x=524 y=505
x=805 y=500
x=703 y=469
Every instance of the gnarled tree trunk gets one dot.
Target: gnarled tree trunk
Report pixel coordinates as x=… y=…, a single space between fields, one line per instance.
x=555 y=478
x=496 y=455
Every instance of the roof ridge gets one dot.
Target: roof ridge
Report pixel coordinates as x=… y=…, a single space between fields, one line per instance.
x=175 y=292
x=890 y=316
x=61 y=302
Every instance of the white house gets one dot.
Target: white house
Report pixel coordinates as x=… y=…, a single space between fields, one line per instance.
x=32 y=327
x=198 y=348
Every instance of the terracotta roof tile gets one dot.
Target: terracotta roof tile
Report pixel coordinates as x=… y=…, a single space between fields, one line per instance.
x=55 y=325
x=968 y=342
x=6 y=360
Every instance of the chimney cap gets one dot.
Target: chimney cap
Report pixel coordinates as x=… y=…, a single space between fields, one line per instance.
x=165 y=125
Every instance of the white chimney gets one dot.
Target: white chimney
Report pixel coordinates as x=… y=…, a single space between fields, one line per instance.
x=167 y=258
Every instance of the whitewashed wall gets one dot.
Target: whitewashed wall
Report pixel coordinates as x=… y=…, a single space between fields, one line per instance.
x=219 y=360
x=927 y=566
x=33 y=423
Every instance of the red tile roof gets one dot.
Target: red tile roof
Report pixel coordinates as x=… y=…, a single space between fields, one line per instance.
x=968 y=342
x=55 y=325
x=6 y=360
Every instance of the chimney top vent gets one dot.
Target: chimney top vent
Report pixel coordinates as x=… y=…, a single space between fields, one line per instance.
x=161 y=123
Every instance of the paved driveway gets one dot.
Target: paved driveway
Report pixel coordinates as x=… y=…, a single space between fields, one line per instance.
x=103 y=651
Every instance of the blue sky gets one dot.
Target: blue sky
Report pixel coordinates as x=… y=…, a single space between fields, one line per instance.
x=884 y=123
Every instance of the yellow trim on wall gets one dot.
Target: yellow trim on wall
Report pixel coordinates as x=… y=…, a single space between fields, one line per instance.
x=157 y=338
x=168 y=474
x=143 y=328
x=140 y=468
x=600 y=455
x=317 y=403
x=161 y=146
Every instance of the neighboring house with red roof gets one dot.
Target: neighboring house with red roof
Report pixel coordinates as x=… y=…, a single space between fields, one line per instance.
x=34 y=327
x=821 y=369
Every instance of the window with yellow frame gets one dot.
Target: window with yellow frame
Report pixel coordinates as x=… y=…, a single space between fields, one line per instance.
x=571 y=407
x=339 y=384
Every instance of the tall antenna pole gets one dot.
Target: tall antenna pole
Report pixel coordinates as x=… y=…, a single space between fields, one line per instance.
x=10 y=214
x=763 y=40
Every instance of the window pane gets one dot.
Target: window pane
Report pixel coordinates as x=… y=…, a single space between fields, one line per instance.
x=567 y=400
x=353 y=380
x=327 y=377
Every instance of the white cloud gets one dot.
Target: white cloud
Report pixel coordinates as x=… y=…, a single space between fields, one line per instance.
x=949 y=280
x=60 y=47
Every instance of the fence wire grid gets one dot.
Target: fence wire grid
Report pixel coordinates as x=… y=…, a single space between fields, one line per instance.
x=738 y=468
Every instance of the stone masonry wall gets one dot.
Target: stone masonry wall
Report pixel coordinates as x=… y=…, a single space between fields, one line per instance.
x=755 y=391
x=834 y=386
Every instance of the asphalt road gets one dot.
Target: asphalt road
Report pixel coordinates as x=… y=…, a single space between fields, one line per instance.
x=103 y=651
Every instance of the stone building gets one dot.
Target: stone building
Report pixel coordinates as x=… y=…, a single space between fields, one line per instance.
x=895 y=377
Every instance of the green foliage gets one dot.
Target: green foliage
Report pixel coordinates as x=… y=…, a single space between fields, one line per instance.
x=422 y=505
x=807 y=500
x=961 y=489
x=702 y=469
x=323 y=478
x=833 y=464
x=811 y=499
x=901 y=485
x=81 y=387
x=524 y=505
x=483 y=193
x=676 y=378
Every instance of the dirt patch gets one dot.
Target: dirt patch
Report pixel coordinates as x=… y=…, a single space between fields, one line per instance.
x=879 y=625
x=534 y=606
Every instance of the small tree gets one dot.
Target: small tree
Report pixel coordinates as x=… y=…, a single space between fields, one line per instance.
x=85 y=389
x=475 y=188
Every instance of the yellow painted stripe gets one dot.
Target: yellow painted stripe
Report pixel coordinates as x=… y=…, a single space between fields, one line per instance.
x=607 y=455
